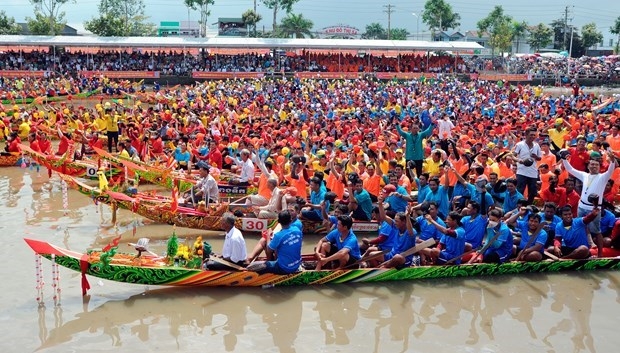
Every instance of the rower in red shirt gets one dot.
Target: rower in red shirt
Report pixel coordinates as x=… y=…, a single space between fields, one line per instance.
x=214 y=156
x=34 y=143
x=157 y=146
x=554 y=193
x=44 y=143
x=13 y=142
x=65 y=143
x=572 y=197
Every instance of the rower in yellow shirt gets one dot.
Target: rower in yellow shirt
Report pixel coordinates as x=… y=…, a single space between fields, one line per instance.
x=23 y=129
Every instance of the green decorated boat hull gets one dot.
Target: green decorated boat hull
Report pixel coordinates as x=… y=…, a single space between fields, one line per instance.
x=179 y=276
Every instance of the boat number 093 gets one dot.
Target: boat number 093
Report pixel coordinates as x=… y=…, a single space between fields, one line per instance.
x=254 y=224
x=91 y=171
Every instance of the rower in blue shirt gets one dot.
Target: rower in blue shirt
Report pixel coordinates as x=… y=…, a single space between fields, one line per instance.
x=339 y=246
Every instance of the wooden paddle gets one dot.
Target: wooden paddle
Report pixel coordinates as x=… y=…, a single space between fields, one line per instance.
x=529 y=242
x=484 y=248
x=461 y=256
x=367 y=258
x=551 y=256
x=227 y=263
x=423 y=245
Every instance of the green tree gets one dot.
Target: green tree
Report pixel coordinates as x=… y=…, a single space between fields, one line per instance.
x=277 y=5
x=41 y=24
x=518 y=31
x=438 y=16
x=590 y=35
x=540 y=36
x=251 y=18
x=616 y=30
x=560 y=41
x=203 y=8
x=374 y=31
x=48 y=20
x=499 y=27
x=575 y=47
x=296 y=26
x=398 y=34
x=105 y=26
x=8 y=25
x=121 y=18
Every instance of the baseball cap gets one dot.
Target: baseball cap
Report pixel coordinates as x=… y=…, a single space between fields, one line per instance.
x=399 y=150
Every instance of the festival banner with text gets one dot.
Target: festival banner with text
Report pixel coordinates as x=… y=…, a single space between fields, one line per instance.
x=214 y=75
x=122 y=74
x=21 y=73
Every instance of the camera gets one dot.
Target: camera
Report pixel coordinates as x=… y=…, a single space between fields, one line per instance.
x=353 y=178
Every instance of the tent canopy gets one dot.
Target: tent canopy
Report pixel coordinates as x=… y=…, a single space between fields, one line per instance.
x=227 y=42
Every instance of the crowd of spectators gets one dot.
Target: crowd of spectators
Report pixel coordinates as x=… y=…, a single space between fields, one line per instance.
x=555 y=65
x=183 y=63
x=180 y=63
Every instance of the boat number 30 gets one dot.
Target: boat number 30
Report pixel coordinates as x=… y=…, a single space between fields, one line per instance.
x=91 y=172
x=254 y=224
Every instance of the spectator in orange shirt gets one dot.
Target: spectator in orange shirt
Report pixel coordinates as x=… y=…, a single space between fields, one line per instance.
x=544 y=174
x=547 y=157
x=614 y=138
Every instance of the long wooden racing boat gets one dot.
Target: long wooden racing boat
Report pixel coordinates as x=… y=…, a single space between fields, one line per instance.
x=159 y=208
x=127 y=268
x=169 y=178
x=10 y=159
x=63 y=164
x=48 y=99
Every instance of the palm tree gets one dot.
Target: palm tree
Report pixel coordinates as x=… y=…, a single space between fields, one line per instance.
x=375 y=31
x=296 y=26
x=518 y=30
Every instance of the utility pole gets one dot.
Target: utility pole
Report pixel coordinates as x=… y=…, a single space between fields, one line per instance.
x=566 y=19
x=565 y=26
x=389 y=11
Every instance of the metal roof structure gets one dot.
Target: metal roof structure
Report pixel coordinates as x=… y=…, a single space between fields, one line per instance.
x=235 y=42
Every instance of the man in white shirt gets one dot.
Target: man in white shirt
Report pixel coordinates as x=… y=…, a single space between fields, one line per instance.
x=445 y=127
x=247 y=169
x=526 y=153
x=233 y=251
x=205 y=190
x=594 y=183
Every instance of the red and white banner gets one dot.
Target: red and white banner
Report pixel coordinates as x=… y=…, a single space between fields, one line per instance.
x=330 y=75
x=21 y=73
x=505 y=77
x=403 y=75
x=222 y=75
x=122 y=74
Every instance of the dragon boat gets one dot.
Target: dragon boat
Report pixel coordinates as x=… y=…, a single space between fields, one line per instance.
x=10 y=159
x=154 y=270
x=169 y=178
x=159 y=208
x=63 y=164
x=48 y=99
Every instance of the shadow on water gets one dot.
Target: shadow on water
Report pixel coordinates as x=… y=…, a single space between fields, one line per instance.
x=398 y=313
